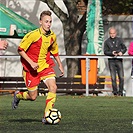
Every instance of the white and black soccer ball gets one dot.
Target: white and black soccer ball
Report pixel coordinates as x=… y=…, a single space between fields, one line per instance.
x=53 y=116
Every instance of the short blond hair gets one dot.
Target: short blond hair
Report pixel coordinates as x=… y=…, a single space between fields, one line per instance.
x=44 y=13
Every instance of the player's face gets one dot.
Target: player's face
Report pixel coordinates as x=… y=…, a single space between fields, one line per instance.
x=112 y=33
x=45 y=23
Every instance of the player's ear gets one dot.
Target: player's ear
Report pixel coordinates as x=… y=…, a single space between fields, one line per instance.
x=40 y=22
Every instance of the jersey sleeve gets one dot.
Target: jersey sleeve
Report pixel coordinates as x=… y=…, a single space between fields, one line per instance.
x=26 y=42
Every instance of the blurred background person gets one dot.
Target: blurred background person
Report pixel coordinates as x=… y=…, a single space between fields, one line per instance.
x=3 y=44
x=130 y=52
x=114 y=46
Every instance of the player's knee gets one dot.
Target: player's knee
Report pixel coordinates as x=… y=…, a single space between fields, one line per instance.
x=53 y=88
x=33 y=98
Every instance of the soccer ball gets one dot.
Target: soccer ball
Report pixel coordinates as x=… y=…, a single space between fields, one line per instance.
x=53 y=116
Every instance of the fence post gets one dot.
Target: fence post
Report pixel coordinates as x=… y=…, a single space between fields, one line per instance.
x=87 y=76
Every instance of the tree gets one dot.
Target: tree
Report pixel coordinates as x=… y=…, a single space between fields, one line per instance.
x=117 y=7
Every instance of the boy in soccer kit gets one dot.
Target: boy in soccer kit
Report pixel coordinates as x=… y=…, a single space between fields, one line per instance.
x=35 y=50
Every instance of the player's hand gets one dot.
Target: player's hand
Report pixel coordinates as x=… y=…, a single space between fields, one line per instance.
x=62 y=71
x=61 y=75
x=34 y=65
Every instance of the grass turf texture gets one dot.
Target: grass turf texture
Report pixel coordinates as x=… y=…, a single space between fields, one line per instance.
x=79 y=115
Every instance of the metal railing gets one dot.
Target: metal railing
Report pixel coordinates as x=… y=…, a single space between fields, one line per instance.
x=86 y=57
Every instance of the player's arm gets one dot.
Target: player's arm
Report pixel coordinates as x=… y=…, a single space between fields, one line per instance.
x=24 y=45
x=34 y=65
x=58 y=60
x=54 y=51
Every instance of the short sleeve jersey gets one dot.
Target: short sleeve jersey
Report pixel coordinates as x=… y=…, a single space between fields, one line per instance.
x=39 y=47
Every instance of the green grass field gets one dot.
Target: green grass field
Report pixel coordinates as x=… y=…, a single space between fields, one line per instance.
x=80 y=114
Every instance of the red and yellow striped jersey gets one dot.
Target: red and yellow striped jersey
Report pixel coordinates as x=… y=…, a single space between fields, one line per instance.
x=39 y=47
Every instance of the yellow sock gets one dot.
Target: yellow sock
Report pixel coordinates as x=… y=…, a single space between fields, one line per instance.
x=22 y=95
x=50 y=100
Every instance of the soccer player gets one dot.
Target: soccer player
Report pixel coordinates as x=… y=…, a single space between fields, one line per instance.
x=35 y=50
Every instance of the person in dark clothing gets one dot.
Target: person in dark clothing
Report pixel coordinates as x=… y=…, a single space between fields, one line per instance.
x=114 y=46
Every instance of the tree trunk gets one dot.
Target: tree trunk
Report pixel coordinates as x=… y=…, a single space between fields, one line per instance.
x=73 y=47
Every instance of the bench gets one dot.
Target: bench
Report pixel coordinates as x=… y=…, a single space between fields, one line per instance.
x=65 y=85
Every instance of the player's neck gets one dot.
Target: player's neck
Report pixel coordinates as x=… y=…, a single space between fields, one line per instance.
x=45 y=32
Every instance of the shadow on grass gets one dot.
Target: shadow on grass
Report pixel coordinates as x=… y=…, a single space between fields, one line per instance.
x=25 y=120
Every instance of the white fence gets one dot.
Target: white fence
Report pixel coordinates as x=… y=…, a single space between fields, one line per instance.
x=126 y=62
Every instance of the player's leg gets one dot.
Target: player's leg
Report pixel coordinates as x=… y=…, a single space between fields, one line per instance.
x=51 y=96
x=48 y=77
x=31 y=94
x=24 y=95
x=28 y=95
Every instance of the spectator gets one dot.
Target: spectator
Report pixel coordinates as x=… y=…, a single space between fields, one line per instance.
x=3 y=44
x=114 y=46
